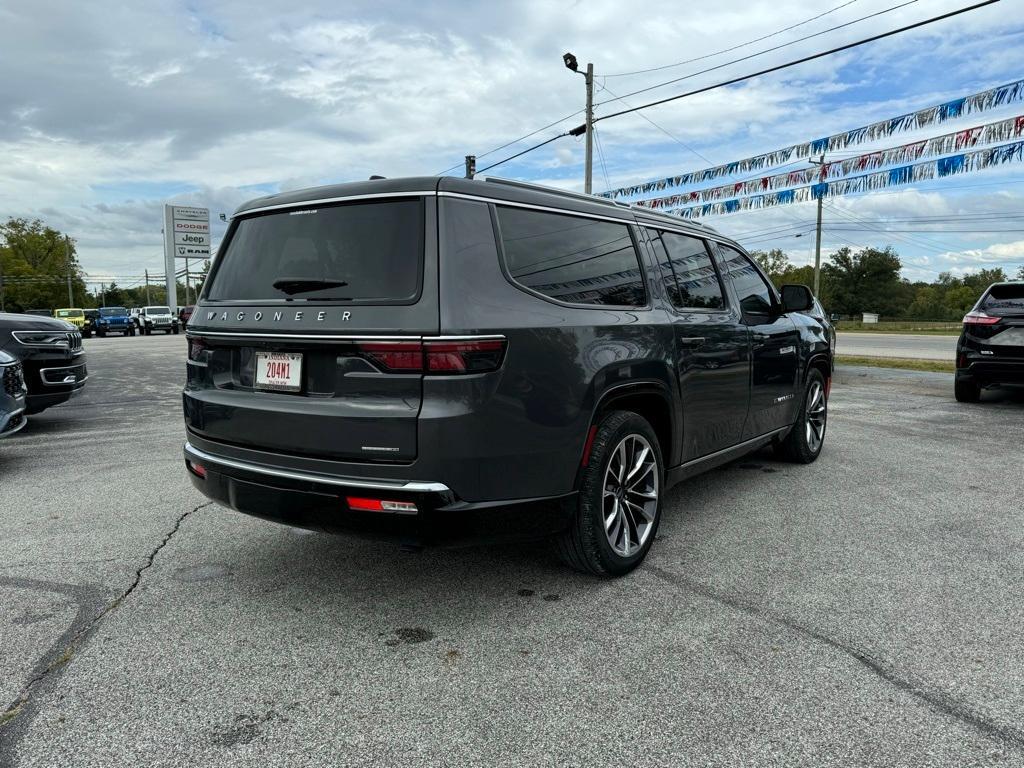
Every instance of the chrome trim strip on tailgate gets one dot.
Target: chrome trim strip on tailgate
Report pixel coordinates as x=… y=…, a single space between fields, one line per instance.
x=341 y=336
x=381 y=485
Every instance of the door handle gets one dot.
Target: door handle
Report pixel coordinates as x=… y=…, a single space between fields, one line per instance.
x=691 y=341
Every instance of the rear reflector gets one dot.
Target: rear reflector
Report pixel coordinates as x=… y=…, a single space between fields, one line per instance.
x=437 y=357
x=980 y=318
x=380 y=505
x=196 y=469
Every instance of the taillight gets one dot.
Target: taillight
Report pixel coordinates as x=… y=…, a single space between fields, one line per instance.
x=196 y=347
x=980 y=318
x=398 y=356
x=464 y=356
x=441 y=357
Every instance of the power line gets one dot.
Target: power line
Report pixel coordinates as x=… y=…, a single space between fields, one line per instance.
x=733 y=48
x=515 y=141
x=802 y=60
x=520 y=154
x=768 y=50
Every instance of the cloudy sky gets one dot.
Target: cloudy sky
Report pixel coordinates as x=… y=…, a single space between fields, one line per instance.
x=109 y=110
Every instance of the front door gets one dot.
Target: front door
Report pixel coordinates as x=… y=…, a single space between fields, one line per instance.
x=711 y=345
x=774 y=345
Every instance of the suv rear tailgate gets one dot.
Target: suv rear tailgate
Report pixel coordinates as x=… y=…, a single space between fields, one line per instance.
x=340 y=348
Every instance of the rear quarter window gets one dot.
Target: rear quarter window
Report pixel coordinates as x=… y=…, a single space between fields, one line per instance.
x=373 y=249
x=572 y=259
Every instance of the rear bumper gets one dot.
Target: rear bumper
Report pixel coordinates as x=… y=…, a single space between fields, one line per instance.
x=312 y=500
x=987 y=371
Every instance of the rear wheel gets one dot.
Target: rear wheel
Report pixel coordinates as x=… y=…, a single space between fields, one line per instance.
x=804 y=442
x=619 y=503
x=148 y=331
x=966 y=389
x=175 y=329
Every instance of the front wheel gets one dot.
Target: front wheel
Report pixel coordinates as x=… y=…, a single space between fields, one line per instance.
x=619 y=503
x=804 y=442
x=175 y=331
x=148 y=331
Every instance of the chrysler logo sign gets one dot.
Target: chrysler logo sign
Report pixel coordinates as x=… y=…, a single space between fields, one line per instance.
x=276 y=317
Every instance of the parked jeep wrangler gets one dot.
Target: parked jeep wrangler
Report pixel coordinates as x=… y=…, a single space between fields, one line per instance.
x=114 y=320
x=157 y=319
x=449 y=359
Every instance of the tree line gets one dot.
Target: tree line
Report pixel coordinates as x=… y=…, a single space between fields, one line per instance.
x=39 y=269
x=869 y=280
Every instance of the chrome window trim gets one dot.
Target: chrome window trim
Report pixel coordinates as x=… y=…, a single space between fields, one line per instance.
x=626 y=219
x=382 y=485
x=329 y=200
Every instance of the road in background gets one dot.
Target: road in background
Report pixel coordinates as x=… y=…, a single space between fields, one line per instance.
x=917 y=346
x=863 y=610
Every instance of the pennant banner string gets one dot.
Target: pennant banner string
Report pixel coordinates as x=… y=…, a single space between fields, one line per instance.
x=983 y=101
x=1003 y=130
x=966 y=162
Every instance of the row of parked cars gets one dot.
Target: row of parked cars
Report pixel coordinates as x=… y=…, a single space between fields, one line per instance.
x=123 y=321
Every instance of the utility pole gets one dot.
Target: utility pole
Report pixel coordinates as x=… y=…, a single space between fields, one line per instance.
x=470 y=166
x=588 y=126
x=187 y=302
x=817 y=243
x=67 y=259
x=588 y=178
x=1 y=285
x=148 y=302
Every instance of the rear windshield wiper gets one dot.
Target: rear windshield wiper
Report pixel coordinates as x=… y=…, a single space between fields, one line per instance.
x=292 y=285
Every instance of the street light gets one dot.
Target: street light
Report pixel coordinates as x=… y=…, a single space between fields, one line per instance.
x=573 y=65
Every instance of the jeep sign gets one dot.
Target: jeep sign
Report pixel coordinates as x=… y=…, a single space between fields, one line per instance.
x=186 y=236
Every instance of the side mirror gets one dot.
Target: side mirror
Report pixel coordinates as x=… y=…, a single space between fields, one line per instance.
x=796 y=298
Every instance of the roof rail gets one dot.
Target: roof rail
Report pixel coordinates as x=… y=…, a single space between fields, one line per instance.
x=552 y=190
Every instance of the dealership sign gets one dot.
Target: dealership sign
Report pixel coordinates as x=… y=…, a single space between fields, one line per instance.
x=186 y=236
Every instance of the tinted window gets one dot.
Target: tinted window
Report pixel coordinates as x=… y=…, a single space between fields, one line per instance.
x=576 y=260
x=753 y=292
x=112 y=311
x=696 y=282
x=370 y=252
x=1005 y=298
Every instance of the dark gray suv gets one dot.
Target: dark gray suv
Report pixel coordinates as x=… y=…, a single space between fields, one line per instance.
x=446 y=360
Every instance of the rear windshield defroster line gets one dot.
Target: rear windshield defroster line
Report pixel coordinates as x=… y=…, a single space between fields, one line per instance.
x=374 y=247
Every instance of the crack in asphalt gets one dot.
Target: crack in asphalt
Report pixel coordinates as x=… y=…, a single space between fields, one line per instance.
x=934 y=697
x=14 y=720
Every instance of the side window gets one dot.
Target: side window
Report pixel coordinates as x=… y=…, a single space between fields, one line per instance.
x=668 y=277
x=572 y=259
x=753 y=292
x=695 y=276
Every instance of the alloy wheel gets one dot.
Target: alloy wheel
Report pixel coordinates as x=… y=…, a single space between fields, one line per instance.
x=630 y=495
x=815 y=416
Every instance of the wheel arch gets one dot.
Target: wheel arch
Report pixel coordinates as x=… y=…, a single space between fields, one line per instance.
x=650 y=399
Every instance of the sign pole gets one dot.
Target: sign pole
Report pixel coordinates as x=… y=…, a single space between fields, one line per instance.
x=172 y=288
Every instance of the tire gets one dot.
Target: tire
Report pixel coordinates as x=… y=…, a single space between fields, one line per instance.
x=616 y=548
x=175 y=331
x=966 y=389
x=101 y=334
x=148 y=331
x=805 y=440
x=131 y=331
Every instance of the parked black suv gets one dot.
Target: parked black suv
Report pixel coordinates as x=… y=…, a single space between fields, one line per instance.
x=446 y=358
x=990 y=350
x=51 y=355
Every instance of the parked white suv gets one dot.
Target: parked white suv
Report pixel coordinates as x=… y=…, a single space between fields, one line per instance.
x=157 y=319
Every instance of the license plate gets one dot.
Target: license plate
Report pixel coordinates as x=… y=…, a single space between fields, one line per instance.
x=279 y=370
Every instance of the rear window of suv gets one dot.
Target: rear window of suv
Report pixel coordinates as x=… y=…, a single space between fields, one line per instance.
x=1005 y=298
x=360 y=252
x=572 y=259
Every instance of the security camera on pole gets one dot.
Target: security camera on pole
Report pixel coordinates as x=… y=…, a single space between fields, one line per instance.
x=588 y=126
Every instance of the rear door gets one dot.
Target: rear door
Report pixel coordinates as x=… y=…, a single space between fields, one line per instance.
x=307 y=338
x=712 y=346
x=774 y=344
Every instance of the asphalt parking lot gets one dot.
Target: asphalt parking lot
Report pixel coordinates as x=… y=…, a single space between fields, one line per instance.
x=865 y=610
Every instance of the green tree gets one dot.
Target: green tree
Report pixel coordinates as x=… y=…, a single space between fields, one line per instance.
x=773 y=262
x=866 y=281
x=36 y=262
x=1020 y=273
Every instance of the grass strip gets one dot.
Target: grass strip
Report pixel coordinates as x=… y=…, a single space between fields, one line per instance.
x=935 y=366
